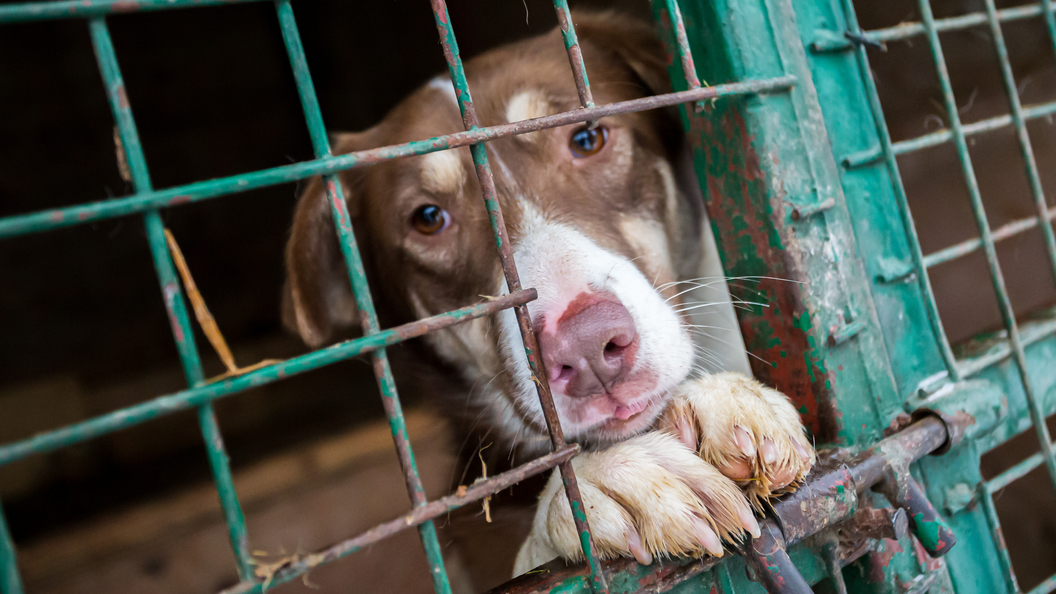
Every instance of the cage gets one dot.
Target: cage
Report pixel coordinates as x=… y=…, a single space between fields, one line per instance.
x=893 y=162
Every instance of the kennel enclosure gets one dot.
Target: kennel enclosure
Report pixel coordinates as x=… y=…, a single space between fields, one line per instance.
x=803 y=184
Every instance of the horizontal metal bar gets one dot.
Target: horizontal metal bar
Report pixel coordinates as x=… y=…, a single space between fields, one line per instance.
x=1030 y=333
x=910 y=30
x=971 y=245
x=67 y=9
x=419 y=515
x=1015 y=473
x=872 y=155
x=140 y=202
x=165 y=405
x=825 y=500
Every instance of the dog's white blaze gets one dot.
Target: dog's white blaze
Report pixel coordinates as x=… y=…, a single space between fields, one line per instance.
x=442 y=172
x=445 y=86
x=648 y=238
x=525 y=105
x=561 y=262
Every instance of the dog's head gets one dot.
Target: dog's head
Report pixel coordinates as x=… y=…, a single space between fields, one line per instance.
x=596 y=220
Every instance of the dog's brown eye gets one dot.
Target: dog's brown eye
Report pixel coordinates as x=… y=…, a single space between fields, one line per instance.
x=430 y=219
x=586 y=142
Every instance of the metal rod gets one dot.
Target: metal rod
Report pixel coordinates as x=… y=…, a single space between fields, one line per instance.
x=143 y=201
x=575 y=53
x=361 y=290
x=513 y=282
x=903 y=147
x=910 y=30
x=418 y=516
x=1014 y=473
x=998 y=537
x=996 y=276
x=1046 y=586
x=173 y=297
x=166 y=405
x=67 y=9
x=969 y=246
x=685 y=55
x=10 y=580
x=1031 y=164
x=912 y=238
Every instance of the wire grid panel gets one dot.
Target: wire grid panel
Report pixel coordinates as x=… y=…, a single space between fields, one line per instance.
x=1017 y=338
x=200 y=393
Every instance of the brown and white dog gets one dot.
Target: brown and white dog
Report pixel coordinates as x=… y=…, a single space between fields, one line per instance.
x=604 y=225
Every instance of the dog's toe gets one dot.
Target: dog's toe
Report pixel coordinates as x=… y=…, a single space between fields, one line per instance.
x=751 y=433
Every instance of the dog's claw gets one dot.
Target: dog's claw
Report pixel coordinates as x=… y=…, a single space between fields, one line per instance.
x=744 y=441
x=635 y=546
x=751 y=433
x=708 y=539
x=749 y=522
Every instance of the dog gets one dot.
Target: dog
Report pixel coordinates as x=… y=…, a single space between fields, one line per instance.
x=605 y=224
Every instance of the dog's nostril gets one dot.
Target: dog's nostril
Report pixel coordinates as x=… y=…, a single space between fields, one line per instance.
x=612 y=348
x=566 y=372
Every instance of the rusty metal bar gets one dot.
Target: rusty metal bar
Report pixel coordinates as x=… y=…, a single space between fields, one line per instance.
x=828 y=499
x=142 y=201
x=10 y=580
x=67 y=9
x=513 y=283
x=689 y=69
x=575 y=53
x=390 y=399
x=166 y=405
x=416 y=517
x=770 y=563
x=180 y=325
x=1003 y=558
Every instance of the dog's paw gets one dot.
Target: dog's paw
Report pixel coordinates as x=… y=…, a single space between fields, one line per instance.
x=750 y=433
x=646 y=497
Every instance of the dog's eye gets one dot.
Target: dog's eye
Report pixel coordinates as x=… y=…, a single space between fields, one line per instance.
x=586 y=142
x=430 y=219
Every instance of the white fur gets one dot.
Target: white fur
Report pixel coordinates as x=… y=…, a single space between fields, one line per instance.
x=444 y=85
x=526 y=105
x=442 y=172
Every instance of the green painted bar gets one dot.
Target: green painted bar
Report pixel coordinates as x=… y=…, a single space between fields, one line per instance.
x=575 y=54
x=183 y=400
x=181 y=328
x=10 y=581
x=996 y=276
x=999 y=539
x=39 y=11
x=479 y=152
x=890 y=160
x=910 y=30
x=140 y=202
x=1014 y=473
x=361 y=291
x=1030 y=333
x=868 y=157
x=969 y=246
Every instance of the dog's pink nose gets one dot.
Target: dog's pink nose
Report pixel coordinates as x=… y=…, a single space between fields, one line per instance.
x=591 y=348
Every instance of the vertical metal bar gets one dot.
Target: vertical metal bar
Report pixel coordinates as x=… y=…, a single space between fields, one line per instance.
x=575 y=53
x=361 y=290
x=912 y=238
x=513 y=282
x=689 y=69
x=1050 y=20
x=170 y=287
x=998 y=537
x=1021 y=131
x=998 y=279
x=10 y=581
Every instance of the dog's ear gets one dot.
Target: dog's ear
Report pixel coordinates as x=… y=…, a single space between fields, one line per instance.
x=633 y=41
x=317 y=297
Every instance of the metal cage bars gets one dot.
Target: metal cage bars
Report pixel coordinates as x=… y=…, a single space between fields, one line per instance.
x=374 y=341
x=958 y=133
